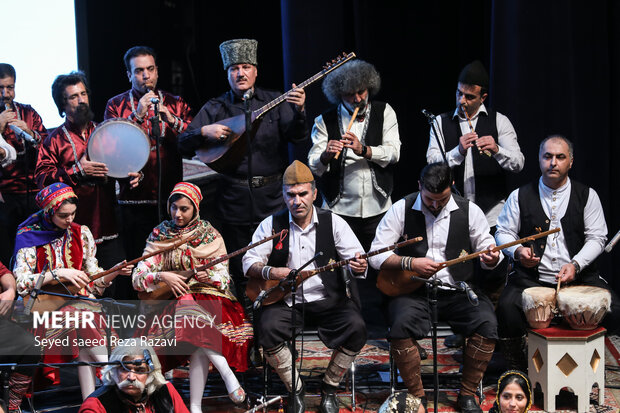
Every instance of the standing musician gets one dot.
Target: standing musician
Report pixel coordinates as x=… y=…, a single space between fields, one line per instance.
x=356 y=165
x=138 y=205
x=236 y=214
x=567 y=257
x=63 y=158
x=209 y=290
x=340 y=324
x=16 y=345
x=451 y=226
x=17 y=185
x=49 y=244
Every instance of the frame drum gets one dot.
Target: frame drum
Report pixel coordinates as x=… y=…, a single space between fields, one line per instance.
x=120 y=144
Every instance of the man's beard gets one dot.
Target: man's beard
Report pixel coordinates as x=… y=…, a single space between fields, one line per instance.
x=82 y=114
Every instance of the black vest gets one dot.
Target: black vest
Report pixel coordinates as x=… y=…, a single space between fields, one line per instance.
x=458 y=236
x=332 y=280
x=110 y=397
x=331 y=183
x=489 y=176
x=533 y=217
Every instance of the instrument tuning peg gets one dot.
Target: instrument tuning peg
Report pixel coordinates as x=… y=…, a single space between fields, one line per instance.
x=538 y=229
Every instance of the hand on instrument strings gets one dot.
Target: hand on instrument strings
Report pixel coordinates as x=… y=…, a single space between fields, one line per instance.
x=490 y=258
x=6 y=301
x=567 y=273
x=279 y=273
x=211 y=278
x=467 y=141
x=176 y=282
x=358 y=265
x=296 y=96
x=349 y=140
x=97 y=169
x=526 y=257
x=135 y=178
x=216 y=131
x=145 y=103
x=70 y=275
x=487 y=143
x=425 y=266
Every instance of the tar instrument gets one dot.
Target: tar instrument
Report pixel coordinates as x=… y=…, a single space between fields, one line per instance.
x=46 y=302
x=582 y=306
x=471 y=129
x=120 y=144
x=397 y=282
x=225 y=155
x=275 y=290
x=539 y=306
x=163 y=291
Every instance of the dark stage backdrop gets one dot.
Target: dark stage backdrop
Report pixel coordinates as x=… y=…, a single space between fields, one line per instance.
x=553 y=65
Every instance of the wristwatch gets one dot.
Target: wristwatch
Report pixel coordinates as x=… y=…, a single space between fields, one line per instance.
x=576 y=265
x=364 y=151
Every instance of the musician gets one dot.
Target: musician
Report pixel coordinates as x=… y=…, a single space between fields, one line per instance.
x=138 y=205
x=480 y=178
x=17 y=166
x=451 y=226
x=208 y=290
x=236 y=214
x=555 y=201
x=63 y=158
x=16 y=345
x=357 y=185
x=340 y=324
x=135 y=385
x=49 y=244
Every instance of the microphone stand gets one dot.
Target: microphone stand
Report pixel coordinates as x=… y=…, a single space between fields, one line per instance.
x=156 y=134
x=433 y=285
x=248 y=134
x=292 y=278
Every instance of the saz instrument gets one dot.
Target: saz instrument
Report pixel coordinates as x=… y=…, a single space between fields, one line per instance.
x=164 y=292
x=398 y=282
x=275 y=290
x=225 y=155
x=46 y=302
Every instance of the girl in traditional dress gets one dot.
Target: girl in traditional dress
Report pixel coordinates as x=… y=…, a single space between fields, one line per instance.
x=207 y=294
x=50 y=245
x=514 y=393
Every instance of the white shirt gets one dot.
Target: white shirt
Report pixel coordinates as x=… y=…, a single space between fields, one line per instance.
x=392 y=227
x=509 y=155
x=302 y=242
x=554 y=203
x=358 y=197
x=11 y=154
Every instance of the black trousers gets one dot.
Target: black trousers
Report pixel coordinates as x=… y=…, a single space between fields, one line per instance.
x=410 y=315
x=338 y=326
x=510 y=315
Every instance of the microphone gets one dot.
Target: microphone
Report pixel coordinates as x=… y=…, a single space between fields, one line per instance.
x=471 y=295
x=428 y=114
x=259 y=300
x=22 y=134
x=345 y=273
x=248 y=94
x=148 y=359
x=613 y=242
x=154 y=101
x=35 y=292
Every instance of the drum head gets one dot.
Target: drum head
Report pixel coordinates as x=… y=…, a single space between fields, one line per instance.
x=121 y=144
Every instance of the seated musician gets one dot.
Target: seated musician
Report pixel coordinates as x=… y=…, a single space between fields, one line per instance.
x=568 y=256
x=209 y=289
x=338 y=318
x=50 y=245
x=451 y=226
x=135 y=385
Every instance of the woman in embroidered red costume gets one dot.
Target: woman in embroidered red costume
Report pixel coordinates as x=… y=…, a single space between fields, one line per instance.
x=205 y=296
x=50 y=245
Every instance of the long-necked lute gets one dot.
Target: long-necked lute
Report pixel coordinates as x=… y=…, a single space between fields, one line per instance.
x=275 y=290
x=46 y=302
x=225 y=155
x=164 y=292
x=398 y=282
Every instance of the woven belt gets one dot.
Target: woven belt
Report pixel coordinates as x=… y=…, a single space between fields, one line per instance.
x=257 y=181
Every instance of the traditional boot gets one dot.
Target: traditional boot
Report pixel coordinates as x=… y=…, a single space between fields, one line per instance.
x=280 y=359
x=407 y=358
x=514 y=351
x=476 y=357
x=338 y=365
